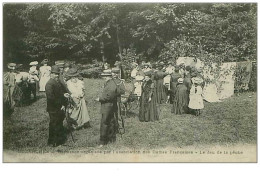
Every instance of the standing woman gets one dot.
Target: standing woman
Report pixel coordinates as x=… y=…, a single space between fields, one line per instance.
x=9 y=84
x=160 y=89
x=148 y=109
x=174 y=81
x=181 y=100
x=79 y=112
x=45 y=73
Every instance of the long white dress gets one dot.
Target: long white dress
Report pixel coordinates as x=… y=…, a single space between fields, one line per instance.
x=45 y=73
x=79 y=112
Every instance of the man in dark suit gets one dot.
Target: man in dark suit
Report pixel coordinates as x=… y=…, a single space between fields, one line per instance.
x=113 y=89
x=56 y=103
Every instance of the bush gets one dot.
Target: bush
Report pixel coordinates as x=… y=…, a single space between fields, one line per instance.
x=93 y=72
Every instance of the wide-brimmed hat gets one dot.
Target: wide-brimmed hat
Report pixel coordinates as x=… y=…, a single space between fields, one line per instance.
x=115 y=70
x=45 y=61
x=180 y=80
x=106 y=74
x=11 y=66
x=60 y=63
x=55 y=69
x=34 y=63
x=196 y=80
x=72 y=72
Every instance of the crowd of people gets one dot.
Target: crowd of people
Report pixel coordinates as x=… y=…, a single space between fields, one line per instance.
x=155 y=84
x=65 y=94
x=162 y=83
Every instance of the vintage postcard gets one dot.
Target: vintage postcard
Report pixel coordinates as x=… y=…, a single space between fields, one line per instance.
x=129 y=82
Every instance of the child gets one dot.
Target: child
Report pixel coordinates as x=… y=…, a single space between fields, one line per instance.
x=196 y=101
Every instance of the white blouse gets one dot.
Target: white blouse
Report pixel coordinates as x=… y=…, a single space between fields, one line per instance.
x=76 y=88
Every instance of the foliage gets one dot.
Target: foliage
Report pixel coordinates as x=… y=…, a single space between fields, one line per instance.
x=94 y=72
x=86 y=31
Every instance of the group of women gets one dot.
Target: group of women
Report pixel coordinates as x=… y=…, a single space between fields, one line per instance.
x=165 y=83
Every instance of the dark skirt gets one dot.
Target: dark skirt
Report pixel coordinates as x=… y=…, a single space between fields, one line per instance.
x=148 y=110
x=181 y=100
x=160 y=92
x=18 y=94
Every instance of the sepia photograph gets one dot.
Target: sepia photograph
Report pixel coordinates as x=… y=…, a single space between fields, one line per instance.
x=129 y=82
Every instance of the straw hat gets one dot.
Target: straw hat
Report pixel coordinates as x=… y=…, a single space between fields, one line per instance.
x=34 y=63
x=72 y=72
x=115 y=70
x=59 y=63
x=197 y=80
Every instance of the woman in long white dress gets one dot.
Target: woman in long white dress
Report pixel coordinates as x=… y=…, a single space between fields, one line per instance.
x=45 y=73
x=79 y=112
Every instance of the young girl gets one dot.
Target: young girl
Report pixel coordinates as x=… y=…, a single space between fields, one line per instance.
x=196 y=101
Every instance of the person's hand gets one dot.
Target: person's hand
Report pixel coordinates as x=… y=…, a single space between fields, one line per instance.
x=97 y=99
x=149 y=100
x=63 y=108
x=67 y=95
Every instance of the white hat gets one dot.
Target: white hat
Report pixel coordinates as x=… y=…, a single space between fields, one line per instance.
x=197 y=80
x=34 y=63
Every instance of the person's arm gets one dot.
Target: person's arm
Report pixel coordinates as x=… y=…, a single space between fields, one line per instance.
x=6 y=78
x=36 y=78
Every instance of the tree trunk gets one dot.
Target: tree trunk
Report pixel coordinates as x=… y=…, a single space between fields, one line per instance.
x=102 y=51
x=118 y=43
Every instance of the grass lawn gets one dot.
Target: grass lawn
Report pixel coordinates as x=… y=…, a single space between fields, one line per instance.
x=231 y=122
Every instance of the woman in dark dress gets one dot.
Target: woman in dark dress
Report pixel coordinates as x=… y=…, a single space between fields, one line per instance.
x=160 y=88
x=148 y=109
x=174 y=81
x=181 y=101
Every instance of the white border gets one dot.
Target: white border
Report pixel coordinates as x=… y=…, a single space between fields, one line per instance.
x=122 y=172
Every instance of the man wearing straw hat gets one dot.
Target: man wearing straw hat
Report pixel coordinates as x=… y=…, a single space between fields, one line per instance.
x=9 y=84
x=113 y=89
x=56 y=103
